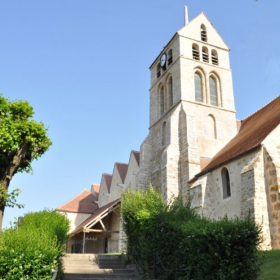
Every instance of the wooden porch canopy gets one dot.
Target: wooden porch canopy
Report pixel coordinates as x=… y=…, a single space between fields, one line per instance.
x=97 y=216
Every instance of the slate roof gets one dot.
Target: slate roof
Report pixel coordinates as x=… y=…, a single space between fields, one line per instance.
x=253 y=130
x=97 y=213
x=82 y=203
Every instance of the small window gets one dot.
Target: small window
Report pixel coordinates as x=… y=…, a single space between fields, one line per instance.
x=205 y=55
x=161 y=100
x=214 y=57
x=213 y=91
x=170 y=91
x=226 y=183
x=170 y=57
x=163 y=136
x=203 y=33
x=198 y=87
x=195 y=51
x=158 y=71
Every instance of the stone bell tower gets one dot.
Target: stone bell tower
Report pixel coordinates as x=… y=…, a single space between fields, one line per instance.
x=192 y=112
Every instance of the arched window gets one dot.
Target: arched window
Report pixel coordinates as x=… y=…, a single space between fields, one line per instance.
x=170 y=92
x=211 y=127
x=161 y=100
x=170 y=57
x=198 y=87
x=226 y=183
x=158 y=70
x=205 y=55
x=214 y=57
x=203 y=33
x=195 y=51
x=163 y=136
x=213 y=91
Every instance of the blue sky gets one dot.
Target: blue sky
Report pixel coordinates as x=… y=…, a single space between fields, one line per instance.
x=84 y=67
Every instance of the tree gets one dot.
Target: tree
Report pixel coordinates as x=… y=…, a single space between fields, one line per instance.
x=22 y=140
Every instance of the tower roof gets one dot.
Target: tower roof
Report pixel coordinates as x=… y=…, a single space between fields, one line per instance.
x=191 y=31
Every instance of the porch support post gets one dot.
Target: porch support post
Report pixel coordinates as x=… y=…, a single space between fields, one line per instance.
x=84 y=242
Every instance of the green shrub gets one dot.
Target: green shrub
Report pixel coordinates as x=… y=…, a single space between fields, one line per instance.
x=189 y=246
x=51 y=222
x=33 y=250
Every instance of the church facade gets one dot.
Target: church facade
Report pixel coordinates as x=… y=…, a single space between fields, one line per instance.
x=196 y=147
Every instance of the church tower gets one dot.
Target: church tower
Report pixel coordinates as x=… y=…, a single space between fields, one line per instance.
x=192 y=112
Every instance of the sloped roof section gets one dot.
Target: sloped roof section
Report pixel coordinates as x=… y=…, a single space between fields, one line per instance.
x=95 y=215
x=122 y=168
x=108 y=180
x=95 y=188
x=82 y=203
x=137 y=157
x=253 y=131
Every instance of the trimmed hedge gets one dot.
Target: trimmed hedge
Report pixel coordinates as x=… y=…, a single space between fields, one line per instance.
x=33 y=250
x=189 y=246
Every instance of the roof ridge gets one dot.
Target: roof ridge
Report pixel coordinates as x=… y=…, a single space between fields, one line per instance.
x=260 y=108
x=121 y=163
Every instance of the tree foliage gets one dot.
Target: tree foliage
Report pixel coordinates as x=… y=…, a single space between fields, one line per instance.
x=10 y=199
x=22 y=139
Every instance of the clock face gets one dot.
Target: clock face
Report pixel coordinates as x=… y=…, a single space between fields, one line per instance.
x=163 y=60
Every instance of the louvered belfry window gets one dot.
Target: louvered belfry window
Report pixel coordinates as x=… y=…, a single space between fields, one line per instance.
x=215 y=59
x=195 y=52
x=203 y=33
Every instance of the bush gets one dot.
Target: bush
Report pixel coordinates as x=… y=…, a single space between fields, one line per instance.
x=53 y=223
x=189 y=246
x=33 y=250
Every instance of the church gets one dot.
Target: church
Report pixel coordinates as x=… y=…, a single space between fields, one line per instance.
x=195 y=148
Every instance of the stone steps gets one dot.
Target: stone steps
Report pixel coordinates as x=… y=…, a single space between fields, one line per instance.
x=95 y=266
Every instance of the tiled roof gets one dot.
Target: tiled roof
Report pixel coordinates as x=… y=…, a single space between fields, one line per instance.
x=97 y=213
x=122 y=168
x=108 y=180
x=82 y=203
x=137 y=156
x=253 y=131
x=95 y=188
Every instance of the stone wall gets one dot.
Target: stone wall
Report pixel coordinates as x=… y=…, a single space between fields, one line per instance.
x=271 y=157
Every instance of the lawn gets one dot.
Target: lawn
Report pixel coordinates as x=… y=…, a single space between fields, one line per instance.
x=271 y=265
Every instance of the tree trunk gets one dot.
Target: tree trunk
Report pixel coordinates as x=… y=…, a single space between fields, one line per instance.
x=10 y=171
x=2 y=208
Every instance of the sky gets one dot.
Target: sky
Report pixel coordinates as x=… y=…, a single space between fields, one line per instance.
x=83 y=65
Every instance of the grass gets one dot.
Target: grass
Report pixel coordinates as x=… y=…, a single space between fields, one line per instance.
x=271 y=265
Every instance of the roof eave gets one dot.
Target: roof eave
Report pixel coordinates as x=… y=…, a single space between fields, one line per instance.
x=163 y=50
x=222 y=163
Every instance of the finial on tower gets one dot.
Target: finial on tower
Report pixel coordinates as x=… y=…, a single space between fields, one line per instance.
x=186 y=15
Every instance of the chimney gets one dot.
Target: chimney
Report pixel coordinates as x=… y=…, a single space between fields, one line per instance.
x=186 y=15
